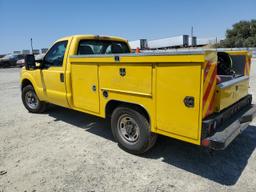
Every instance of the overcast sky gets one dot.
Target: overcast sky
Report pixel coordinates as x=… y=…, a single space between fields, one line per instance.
x=47 y=20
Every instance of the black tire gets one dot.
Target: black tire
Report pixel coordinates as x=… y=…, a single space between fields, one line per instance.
x=38 y=107
x=134 y=144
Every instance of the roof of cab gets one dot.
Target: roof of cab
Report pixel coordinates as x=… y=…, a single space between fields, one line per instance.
x=90 y=36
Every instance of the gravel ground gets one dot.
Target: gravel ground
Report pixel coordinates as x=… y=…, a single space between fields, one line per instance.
x=65 y=150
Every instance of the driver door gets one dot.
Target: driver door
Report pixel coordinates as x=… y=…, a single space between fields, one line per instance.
x=53 y=74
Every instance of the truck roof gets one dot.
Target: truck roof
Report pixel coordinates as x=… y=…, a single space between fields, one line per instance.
x=91 y=36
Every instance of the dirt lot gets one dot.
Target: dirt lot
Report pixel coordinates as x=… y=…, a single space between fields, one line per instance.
x=65 y=150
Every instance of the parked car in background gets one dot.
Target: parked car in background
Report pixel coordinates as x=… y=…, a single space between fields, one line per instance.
x=10 y=60
x=1 y=56
x=21 y=62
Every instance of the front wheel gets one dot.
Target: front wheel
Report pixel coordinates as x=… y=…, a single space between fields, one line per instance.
x=132 y=130
x=31 y=101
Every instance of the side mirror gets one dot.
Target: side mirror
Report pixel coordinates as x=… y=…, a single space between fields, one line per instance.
x=30 y=62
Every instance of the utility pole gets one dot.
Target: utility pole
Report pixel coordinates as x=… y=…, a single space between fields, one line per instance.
x=192 y=31
x=216 y=43
x=31 y=42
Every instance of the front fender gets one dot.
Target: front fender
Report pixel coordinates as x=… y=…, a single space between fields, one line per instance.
x=30 y=76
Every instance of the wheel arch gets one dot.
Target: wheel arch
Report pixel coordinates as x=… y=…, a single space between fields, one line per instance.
x=113 y=104
x=25 y=82
x=27 y=78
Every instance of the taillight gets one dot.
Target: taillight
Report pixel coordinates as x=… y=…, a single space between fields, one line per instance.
x=205 y=142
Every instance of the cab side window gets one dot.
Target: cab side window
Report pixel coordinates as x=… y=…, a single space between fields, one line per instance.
x=55 y=55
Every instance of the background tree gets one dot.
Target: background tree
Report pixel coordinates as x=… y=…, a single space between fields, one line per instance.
x=242 y=34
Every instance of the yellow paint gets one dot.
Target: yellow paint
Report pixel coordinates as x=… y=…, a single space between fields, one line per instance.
x=84 y=79
x=210 y=97
x=229 y=95
x=209 y=76
x=211 y=58
x=174 y=83
x=238 y=52
x=137 y=79
x=159 y=84
x=144 y=60
x=248 y=56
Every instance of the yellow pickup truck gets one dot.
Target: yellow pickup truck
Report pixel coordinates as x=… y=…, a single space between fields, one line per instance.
x=199 y=97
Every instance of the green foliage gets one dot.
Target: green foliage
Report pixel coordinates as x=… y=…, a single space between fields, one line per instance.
x=243 y=34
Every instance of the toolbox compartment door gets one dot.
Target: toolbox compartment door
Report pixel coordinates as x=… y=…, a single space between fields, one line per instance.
x=126 y=78
x=85 y=88
x=175 y=83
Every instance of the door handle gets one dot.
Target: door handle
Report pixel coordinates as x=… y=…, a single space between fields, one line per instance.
x=61 y=77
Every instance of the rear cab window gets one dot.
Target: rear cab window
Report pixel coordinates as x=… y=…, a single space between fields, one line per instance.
x=90 y=47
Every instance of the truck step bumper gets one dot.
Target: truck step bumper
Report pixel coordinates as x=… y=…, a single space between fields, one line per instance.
x=221 y=139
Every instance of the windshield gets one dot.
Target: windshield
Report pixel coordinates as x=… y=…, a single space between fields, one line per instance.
x=87 y=47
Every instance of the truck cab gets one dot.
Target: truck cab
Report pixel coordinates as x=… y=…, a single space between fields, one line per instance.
x=52 y=78
x=199 y=97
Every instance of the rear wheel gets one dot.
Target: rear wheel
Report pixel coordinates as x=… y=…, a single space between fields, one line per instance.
x=31 y=101
x=132 y=130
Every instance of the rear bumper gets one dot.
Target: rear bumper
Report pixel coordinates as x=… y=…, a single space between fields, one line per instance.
x=230 y=129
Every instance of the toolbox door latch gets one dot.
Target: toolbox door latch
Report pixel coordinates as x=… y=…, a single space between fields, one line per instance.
x=189 y=101
x=122 y=72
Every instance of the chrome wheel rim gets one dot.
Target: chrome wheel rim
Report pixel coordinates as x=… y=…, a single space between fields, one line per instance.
x=31 y=100
x=128 y=128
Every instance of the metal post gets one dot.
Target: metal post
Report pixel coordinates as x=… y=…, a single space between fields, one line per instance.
x=31 y=42
x=192 y=31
